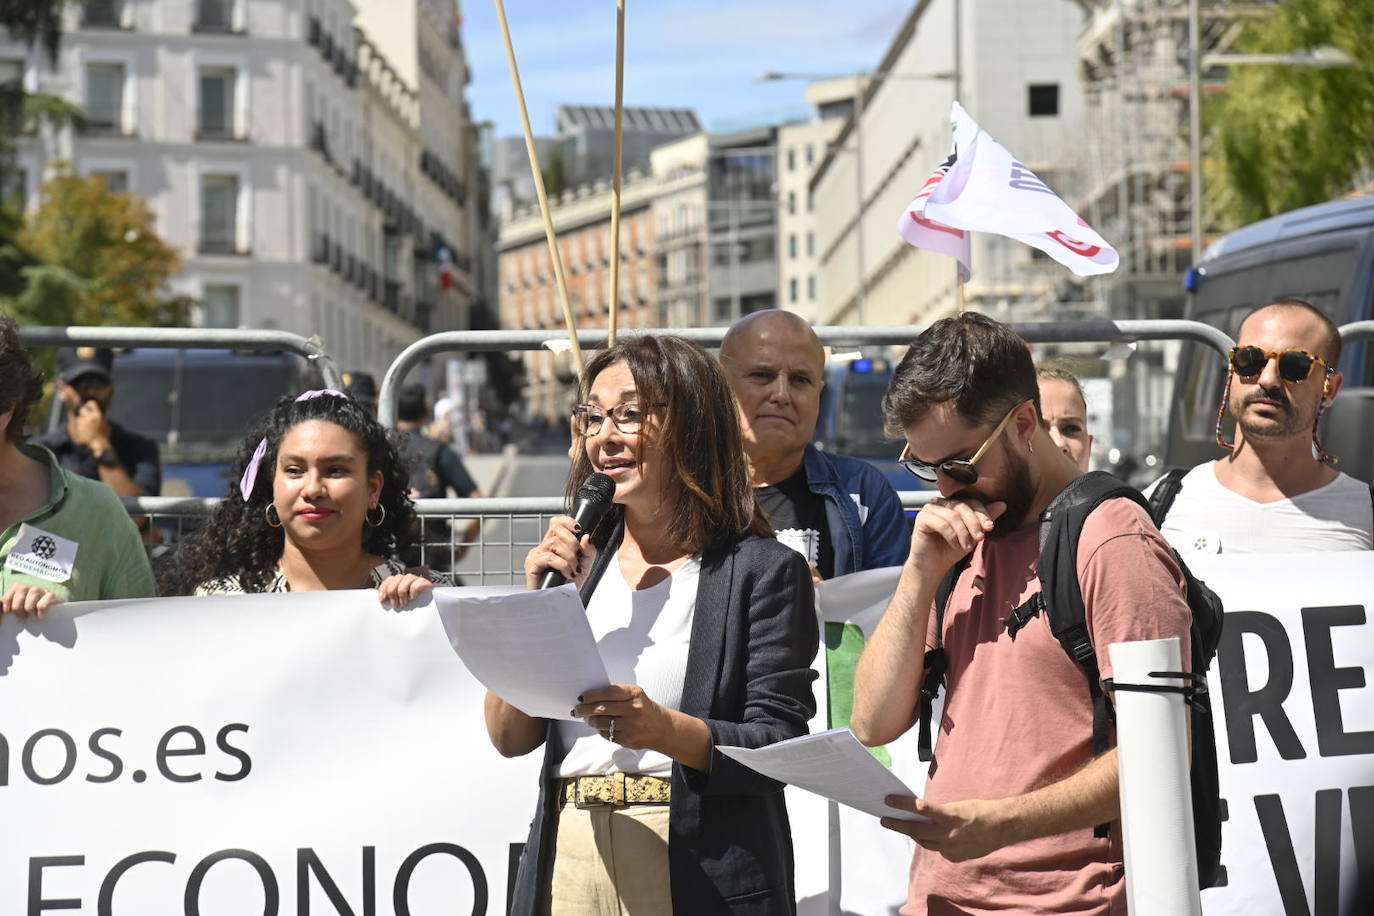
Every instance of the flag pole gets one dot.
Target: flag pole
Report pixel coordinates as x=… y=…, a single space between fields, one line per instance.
x=614 y=316
x=554 y=255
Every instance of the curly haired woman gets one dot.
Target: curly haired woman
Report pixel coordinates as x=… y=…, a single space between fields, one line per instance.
x=320 y=503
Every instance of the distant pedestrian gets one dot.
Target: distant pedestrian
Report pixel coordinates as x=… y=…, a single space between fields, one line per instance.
x=89 y=443
x=435 y=469
x=65 y=538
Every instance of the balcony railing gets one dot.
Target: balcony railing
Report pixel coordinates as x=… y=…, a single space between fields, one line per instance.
x=220 y=242
x=222 y=133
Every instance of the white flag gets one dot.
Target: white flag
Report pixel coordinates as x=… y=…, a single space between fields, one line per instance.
x=988 y=190
x=924 y=232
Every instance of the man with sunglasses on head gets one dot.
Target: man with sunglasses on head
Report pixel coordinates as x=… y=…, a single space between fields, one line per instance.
x=1016 y=792
x=1277 y=490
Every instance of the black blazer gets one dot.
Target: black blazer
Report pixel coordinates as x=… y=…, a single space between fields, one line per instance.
x=754 y=636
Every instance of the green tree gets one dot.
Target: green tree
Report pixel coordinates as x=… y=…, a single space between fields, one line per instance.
x=1285 y=136
x=97 y=259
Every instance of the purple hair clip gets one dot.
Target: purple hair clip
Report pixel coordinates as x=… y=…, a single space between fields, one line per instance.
x=250 y=473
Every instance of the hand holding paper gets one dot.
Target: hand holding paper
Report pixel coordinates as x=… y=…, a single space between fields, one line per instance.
x=534 y=649
x=832 y=764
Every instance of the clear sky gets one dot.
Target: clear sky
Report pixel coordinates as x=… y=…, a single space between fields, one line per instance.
x=702 y=54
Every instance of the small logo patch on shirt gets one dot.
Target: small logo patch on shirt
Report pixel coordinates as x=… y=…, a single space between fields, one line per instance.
x=43 y=555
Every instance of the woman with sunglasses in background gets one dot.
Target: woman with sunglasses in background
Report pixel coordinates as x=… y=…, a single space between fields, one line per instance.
x=708 y=629
x=318 y=502
x=1278 y=490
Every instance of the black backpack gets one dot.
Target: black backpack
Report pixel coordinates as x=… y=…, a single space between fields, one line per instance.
x=1062 y=599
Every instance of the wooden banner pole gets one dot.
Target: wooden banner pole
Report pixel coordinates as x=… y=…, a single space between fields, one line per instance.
x=535 y=170
x=614 y=316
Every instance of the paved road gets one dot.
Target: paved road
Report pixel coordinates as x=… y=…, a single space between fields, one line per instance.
x=500 y=558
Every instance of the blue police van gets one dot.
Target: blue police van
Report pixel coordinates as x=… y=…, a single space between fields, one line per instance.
x=851 y=418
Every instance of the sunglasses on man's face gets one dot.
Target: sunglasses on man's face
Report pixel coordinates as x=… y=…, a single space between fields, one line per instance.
x=959 y=470
x=1294 y=365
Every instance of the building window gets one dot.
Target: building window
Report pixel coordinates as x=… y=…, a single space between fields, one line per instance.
x=14 y=189
x=219 y=195
x=810 y=155
x=792 y=290
x=1044 y=100
x=811 y=288
x=105 y=98
x=214 y=16
x=792 y=246
x=102 y=14
x=220 y=305
x=791 y=203
x=810 y=244
x=791 y=160
x=216 y=103
x=116 y=180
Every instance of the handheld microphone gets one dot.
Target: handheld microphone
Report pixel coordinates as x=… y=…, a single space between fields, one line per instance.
x=593 y=499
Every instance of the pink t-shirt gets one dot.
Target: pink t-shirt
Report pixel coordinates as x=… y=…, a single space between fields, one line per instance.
x=1018 y=714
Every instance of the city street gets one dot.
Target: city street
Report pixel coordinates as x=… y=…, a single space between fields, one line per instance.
x=505 y=541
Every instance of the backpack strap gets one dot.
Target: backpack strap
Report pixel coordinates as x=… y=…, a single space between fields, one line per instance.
x=1163 y=495
x=1061 y=526
x=936 y=662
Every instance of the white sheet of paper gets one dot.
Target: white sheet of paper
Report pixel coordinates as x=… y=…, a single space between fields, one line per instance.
x=534 y=649
x=833 y=764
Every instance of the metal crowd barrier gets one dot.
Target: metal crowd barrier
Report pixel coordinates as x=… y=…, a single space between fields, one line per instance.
x=1357 y=330
x=834 y=336
x=187 y=339
x=493 y=554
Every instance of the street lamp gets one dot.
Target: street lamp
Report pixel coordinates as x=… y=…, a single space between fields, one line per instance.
x=1321 y=58
x=861 y=80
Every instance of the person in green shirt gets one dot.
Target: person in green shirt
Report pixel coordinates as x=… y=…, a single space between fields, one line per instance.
x=65 y=538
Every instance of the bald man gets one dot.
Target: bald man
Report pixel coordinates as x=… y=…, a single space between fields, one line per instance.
x=1277 y=490
x=839 y=513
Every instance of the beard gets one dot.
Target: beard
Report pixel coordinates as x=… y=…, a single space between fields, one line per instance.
x=1018 y=492
x=1290 y=421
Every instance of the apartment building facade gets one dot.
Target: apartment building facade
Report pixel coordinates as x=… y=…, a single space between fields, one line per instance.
x=281 y=153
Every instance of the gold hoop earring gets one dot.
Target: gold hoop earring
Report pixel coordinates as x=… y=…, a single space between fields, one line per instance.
x=270 y=510
x=367 y=516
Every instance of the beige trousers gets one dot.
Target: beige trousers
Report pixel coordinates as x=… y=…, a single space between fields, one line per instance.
x=611 y=861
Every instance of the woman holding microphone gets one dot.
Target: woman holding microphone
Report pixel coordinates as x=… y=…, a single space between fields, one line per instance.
x=707 y=627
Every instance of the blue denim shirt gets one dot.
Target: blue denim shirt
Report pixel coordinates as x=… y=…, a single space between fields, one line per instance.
x=867 y=525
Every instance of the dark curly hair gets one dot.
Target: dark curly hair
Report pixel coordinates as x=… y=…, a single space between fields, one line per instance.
x=21 y=385
x=236 y=541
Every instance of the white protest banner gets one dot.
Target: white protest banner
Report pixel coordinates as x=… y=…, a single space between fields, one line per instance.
x=308 y=753
x=874 y=861
x=1295 y=732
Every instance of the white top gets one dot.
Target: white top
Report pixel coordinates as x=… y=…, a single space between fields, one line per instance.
x=1209 y=518
x=643 y=638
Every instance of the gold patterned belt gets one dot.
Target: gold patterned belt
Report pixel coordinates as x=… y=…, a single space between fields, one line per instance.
x=616 y=789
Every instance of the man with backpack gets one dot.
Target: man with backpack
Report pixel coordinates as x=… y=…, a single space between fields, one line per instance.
x=1022 y=798
x=1277 y=490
